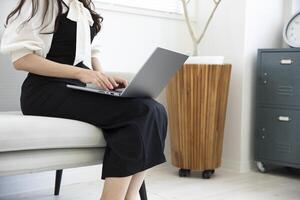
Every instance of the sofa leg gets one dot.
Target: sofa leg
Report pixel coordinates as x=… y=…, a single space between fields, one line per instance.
x=143 y=192
x=57 y=181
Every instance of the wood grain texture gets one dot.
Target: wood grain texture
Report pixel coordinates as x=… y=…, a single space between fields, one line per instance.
x=196 y=103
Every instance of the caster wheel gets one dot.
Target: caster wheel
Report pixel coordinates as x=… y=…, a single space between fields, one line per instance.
x=184 y=172
x=207 y=174
x=262 y=167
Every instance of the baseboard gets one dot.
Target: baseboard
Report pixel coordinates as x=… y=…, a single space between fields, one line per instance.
x=238 y=166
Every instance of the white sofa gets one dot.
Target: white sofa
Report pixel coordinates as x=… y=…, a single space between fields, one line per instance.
x=31 y=144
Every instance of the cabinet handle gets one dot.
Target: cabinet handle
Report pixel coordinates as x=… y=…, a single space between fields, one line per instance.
x=284 y=118
x=286 y=61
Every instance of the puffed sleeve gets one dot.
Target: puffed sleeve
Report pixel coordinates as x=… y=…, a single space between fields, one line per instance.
x=96 y=46
x=21 y=39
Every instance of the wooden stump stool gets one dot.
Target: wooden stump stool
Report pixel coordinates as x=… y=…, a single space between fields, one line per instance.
x=197 y=100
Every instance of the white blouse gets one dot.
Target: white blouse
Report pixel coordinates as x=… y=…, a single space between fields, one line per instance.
x=22 y=40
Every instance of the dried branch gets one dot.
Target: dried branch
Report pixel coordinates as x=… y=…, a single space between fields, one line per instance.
x=217 y=3
x=197 y=40
x=188 y=21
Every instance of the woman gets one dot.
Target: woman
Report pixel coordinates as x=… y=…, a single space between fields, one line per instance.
x=53 y=40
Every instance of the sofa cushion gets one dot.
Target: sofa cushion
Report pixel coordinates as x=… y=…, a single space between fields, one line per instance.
x=21 y=162
x=19 y=132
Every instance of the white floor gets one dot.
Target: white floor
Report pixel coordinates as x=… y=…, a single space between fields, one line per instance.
x=163 y=183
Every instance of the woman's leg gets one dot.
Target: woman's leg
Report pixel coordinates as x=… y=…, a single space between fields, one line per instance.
x=115 y=188
x=134 y=128
x=135 y=185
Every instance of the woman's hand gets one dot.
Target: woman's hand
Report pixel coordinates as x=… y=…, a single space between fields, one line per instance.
x=121 y=81
x=100 y=79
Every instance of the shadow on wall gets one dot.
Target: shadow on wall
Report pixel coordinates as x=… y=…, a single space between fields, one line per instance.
x=10 y=79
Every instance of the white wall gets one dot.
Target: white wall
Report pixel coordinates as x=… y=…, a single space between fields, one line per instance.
x=237 y=31
x=295 y=6
x=10 y=79
x=264 y=25
x=126 y=41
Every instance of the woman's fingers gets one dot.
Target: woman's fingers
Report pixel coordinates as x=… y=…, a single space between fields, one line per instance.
x=103 y=84
x=112 y=80
x=106 y=82
x=97 y=82
x=121 y=80
x=100 y=83
x=89 y=76
x=124 y=82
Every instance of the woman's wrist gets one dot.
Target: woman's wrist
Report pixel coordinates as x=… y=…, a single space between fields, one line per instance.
x=96 y=64
x=77 y=73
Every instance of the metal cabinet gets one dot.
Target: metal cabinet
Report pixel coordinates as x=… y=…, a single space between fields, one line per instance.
x=277 y=116
x=278 y=78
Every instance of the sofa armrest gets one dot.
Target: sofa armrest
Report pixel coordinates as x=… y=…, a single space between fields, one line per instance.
x=126 y=75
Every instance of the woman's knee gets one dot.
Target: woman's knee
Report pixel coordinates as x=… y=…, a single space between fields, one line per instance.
x=152 y=105
x=159 y=110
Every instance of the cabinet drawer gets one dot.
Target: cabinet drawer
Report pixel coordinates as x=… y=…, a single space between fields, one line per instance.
x=279 y=78
x=280 y=59
x=278 y=135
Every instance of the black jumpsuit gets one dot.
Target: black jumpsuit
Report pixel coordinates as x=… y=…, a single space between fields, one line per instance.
x=134 y=128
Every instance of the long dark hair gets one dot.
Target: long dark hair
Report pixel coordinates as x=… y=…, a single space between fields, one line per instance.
x=35 y=6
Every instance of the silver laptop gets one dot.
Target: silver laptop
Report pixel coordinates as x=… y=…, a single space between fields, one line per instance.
x=150 y=80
